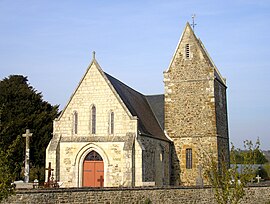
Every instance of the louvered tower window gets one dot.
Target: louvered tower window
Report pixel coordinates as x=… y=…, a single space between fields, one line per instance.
x=187 y=49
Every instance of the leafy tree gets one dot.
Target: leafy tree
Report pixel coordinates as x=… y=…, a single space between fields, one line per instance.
x=22 y=107
x=6 y=174
x=229 y=183
x=255 y=156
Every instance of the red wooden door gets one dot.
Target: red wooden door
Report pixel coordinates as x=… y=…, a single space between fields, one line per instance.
x=93 y=170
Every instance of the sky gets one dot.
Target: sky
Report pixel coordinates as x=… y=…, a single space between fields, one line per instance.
x=51 y=42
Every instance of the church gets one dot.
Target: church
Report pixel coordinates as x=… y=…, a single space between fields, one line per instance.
x=110 y=135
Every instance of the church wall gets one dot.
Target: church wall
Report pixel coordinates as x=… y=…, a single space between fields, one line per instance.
x=222 y=120
x=190 y=118
x=168 y=195
x=138 y=162
x=93 y=90
x=156 y=164
x=73 y=157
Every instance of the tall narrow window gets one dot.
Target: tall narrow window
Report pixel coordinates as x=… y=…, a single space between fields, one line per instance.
x=93 y=122
x=111 y=123
x=189 y=158
x=187 y=51
x=75 y=122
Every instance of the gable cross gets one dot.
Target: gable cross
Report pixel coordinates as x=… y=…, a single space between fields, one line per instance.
x=193 y=21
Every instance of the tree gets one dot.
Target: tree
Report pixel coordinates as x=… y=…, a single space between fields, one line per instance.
x=255 y=156
x=22 y=107
x=229 y=183
x=6 y=170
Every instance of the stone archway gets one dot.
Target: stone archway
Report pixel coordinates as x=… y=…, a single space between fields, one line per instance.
x=93 y=170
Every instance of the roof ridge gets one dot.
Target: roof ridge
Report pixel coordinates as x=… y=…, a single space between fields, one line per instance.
x=123 y=83
x=212 y=62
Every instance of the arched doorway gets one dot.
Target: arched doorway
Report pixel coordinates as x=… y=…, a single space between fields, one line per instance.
x=93 y=170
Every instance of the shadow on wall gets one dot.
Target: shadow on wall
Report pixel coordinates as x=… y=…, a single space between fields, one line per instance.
x=175 y=167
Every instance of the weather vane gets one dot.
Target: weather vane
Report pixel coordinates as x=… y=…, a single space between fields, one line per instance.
x=193 y=21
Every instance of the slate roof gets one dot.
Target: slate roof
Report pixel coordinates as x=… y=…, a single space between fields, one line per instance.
x=148 y=109
x=156 y=103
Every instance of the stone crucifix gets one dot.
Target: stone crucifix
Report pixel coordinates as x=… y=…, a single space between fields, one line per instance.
x=27 y=136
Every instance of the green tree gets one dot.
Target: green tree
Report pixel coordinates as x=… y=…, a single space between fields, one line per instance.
x=229 y=183
x=255 y=155
x=22 y=107
x=6 y=170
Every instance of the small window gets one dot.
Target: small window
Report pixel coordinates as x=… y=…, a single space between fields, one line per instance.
x=75 y=122
x=187 y=51
x=111 y=123
x=189 y=158
x=93 y=118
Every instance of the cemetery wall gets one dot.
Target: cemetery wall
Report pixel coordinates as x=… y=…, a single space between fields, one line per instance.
x=131 y=195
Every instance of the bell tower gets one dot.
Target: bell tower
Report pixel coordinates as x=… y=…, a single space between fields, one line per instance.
x=195 y=109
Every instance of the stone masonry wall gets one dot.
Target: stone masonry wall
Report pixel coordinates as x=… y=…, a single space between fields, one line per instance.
x=258 y=195
x=72 y=148
x=156 y=161
x=190 y=118
x=222 y=120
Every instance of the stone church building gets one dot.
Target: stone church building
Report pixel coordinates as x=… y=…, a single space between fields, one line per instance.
x=111 y=135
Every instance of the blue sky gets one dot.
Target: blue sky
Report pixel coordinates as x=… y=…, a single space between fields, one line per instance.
x=51 y=42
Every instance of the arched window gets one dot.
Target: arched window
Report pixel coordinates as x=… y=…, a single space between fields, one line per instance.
x=111 y=123
x=189 y=158
x=93 y=119
x=93 y=156
x=75 y=122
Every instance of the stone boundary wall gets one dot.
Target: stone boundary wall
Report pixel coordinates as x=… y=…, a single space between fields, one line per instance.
x=165 y=195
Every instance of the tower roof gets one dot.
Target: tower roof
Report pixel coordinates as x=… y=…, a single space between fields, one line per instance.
x=188 y=31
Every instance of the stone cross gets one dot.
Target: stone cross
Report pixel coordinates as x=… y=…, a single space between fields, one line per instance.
x=49 y=169
x=258 y=178
x=27 y=136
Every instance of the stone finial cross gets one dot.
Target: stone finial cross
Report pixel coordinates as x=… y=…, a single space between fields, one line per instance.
x=94 y=55
x=27 y=136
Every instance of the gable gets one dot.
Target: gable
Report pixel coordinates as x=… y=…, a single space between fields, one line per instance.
x=94 y=90
x=190 y=52
x=93 y=76
x=107 y=93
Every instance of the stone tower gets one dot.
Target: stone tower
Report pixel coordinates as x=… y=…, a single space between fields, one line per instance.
x=195 y=109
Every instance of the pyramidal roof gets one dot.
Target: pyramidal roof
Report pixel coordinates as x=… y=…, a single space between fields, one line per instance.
x=189 y=31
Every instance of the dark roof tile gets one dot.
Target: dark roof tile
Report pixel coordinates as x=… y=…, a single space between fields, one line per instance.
x=138 y=106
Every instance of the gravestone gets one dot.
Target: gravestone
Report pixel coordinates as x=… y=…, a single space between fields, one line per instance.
x=258 y=178
x=199 y=179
